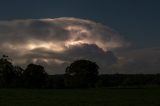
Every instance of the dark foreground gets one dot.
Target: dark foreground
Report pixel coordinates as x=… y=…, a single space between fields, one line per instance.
x=83 y=97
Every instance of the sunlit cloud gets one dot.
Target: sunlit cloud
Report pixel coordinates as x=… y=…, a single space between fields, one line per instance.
x=56 y=42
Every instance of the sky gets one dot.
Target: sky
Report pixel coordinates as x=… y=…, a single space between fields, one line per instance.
x=129 y=28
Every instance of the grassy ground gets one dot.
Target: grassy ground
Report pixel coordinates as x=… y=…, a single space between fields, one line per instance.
x=84 y=97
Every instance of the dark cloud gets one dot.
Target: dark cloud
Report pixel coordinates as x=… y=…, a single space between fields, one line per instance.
x=53 y=60
x=144 y=60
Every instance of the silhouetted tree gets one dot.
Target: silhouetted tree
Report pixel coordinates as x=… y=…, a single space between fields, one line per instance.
x=81 y=73
x=34 y=76
x=7 y=74
x=18 y=72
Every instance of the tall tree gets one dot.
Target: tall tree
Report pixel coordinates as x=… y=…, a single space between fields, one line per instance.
x=81 y=73
x=7 y=74
x=34 y=76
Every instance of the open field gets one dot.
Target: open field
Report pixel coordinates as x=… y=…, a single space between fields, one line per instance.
x=80 y=97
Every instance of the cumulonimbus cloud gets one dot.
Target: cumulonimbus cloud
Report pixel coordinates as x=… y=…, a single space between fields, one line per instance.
x=57 y=41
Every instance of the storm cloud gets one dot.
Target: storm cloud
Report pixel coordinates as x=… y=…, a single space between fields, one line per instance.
x=56 y=42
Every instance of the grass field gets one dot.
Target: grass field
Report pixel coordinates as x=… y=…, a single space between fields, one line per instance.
x=77 y=97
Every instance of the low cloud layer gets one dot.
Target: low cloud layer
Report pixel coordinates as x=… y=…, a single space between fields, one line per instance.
x=142 y=60
x=55 y=43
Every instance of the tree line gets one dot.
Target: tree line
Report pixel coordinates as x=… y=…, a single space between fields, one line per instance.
x=80 y=74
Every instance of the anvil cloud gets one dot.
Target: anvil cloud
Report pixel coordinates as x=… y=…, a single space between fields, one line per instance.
x=56 y=42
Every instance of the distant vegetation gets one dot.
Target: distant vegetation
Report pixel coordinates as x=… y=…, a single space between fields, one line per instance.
x=80 y=74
